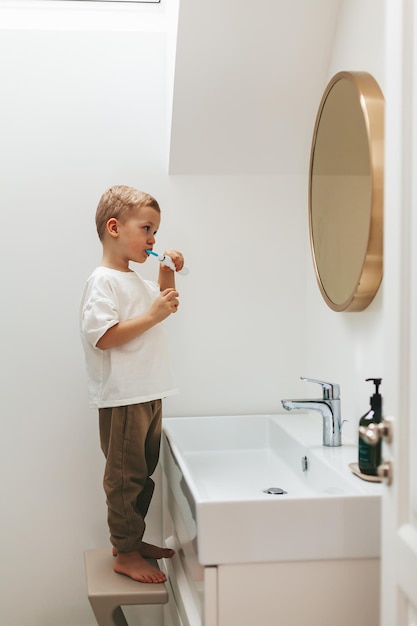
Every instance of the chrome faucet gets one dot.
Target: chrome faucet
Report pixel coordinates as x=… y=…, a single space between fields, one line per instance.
x=328 y=406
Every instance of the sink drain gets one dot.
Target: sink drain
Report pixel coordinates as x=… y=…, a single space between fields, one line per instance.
x=275 y=491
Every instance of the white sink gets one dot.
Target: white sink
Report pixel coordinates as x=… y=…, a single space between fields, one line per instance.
x=222 y=467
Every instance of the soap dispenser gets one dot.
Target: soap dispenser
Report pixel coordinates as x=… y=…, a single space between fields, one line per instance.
x=370 y=455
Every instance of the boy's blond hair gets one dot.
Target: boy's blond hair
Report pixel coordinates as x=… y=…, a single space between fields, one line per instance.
x=120 y=201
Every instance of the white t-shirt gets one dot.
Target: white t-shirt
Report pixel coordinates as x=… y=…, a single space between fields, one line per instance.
x=137 y=371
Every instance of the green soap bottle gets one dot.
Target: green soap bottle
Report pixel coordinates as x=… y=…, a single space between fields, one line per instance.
x=370 y=456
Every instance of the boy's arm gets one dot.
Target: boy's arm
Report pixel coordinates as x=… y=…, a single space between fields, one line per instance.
x=122 y=332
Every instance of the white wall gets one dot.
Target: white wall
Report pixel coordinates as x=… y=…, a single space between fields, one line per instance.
x=348 y=347
x=82 y=111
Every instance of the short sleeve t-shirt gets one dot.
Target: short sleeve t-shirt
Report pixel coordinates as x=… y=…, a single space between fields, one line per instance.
x=137 y=371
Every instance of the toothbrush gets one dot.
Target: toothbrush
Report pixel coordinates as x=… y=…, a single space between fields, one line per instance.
x=166 y=260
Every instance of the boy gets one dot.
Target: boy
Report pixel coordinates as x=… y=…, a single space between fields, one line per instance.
x=127 y=368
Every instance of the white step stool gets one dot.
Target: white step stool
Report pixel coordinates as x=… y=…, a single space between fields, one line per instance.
x=108 y=591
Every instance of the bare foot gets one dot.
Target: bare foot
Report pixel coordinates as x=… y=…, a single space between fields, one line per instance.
x=149 y=551
x=132 y=564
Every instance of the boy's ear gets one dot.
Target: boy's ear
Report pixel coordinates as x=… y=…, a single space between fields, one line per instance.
x=112 y=227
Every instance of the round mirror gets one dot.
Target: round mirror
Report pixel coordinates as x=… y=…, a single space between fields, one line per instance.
x=346 y=191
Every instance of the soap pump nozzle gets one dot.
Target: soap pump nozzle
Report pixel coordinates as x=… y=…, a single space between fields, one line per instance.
x=376 y=381
x=376 y=399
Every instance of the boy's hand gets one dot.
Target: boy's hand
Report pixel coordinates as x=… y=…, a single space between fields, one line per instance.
x=119 y=334
x=165 y=304
x=177 y=259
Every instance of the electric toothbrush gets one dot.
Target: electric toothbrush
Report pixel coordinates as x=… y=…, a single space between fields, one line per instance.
x=166 y=260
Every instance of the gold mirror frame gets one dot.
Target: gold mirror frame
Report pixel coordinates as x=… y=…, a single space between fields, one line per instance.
x=346 y=191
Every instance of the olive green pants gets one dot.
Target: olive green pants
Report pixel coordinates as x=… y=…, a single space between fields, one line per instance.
x=130 y=439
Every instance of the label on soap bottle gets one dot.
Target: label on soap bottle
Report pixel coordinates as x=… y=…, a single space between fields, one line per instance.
x=369 y=457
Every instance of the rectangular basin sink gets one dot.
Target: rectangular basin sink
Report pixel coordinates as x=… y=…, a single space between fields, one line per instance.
x=262 y=488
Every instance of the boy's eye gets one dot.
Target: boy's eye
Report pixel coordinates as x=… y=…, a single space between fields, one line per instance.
x=148 y=228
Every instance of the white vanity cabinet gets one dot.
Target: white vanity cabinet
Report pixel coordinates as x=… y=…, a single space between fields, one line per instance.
x=192 y=587
x=314 y=591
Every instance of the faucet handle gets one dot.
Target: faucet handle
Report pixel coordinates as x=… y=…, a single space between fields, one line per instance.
x=331 y=391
